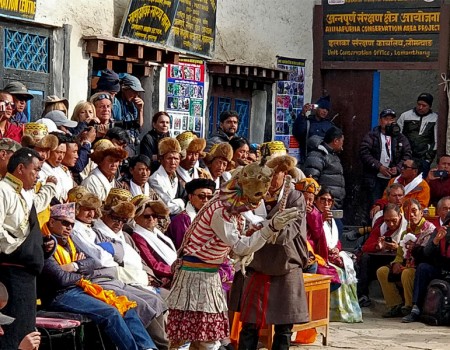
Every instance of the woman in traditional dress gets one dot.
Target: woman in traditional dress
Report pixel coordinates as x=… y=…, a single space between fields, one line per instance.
x=344 y=305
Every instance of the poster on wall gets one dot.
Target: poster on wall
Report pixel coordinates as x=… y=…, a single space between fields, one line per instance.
x=289 y=101
x=186 y=96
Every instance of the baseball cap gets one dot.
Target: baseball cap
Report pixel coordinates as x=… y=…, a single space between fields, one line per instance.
x=60 y=119
x=132 y=82
x=9 y=145
x=388 y=111
x=4 y=299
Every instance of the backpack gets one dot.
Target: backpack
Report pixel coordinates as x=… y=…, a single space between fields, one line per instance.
x=436 y=307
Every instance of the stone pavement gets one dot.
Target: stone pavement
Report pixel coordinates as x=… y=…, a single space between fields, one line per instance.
x=379 y=333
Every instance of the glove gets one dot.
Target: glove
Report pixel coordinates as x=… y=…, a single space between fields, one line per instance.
x=282 y=218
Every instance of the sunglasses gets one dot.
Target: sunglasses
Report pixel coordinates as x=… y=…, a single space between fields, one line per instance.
x=8 y=103
x=118 y=219
x=203 y=196
x=326 y=200
x=102 y=97
x=150 y=216
x=66 y=223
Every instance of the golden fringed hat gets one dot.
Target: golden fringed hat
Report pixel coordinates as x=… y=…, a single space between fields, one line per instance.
x=308 y=184
x=142 y=201
x=222 y=150
x=276 y=148
x=83 y=198
x=168 y=144
x=104 y=148
x=36 y=135
x=189 y=142
x=118 y=202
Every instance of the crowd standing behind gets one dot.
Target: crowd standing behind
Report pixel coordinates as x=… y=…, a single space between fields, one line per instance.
x=180 y=233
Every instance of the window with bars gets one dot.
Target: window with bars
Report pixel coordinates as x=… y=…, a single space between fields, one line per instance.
x=26 y=51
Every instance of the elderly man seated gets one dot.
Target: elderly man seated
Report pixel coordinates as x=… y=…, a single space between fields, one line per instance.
x=108 y=256
x=156 y=249
x=217 y=162
x=103 y=178
x=65 y=285
x=165 y=181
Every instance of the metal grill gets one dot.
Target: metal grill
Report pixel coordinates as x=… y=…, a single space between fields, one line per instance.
x=26 y=51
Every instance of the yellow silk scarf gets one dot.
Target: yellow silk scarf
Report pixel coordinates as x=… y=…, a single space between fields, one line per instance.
x=121 y=302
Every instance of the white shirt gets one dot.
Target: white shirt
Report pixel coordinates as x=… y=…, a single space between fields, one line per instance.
x=85 y=238
x=133 y=269
x=167 y=190
x=14 y=213
x=62 y=174
x=98 y=184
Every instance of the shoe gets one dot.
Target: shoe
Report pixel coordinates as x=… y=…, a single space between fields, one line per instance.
x=396 y=311
x=406 y=310
x=364 y=301
x=412 y=317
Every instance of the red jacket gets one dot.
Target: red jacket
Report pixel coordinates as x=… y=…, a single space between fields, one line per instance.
x=13 y=132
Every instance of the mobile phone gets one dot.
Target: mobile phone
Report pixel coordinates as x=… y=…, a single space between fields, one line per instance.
x=440 y=173
x=314 y=105
x=2 y=106
x=388 y=239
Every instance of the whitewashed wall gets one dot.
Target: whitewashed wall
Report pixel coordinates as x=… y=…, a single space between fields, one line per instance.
x=257 y=31
x=86 y=17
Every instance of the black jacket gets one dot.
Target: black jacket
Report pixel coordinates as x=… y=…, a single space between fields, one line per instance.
x=324 y=165
x=370 y=152
x=149 y=146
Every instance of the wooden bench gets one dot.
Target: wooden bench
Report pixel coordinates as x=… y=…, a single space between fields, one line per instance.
x=318 y=298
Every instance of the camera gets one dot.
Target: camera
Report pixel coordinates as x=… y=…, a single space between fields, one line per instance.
x=388 y=239
x=440 y=173
x=337 y=214
x=392 y=130
x=314 y=105
x=127 y=125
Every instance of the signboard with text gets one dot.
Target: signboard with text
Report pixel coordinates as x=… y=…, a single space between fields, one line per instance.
x=18 y=8
x=182 y=24
x=382 y=31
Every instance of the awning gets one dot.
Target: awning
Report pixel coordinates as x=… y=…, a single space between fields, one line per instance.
x=125 y=55
x=244 y=75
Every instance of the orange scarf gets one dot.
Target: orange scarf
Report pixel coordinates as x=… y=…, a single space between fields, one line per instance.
x=121 y=302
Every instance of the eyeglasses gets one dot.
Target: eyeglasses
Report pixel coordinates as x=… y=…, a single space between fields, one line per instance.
x=65 y=223
x=8 y=103
x=102 y=97
x=118 y=219
x=408 y=167
x=326 y=200
x=203 y=196
x=150 y=216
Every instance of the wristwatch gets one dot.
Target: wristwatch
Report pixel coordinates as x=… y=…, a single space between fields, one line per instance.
x=75 y=266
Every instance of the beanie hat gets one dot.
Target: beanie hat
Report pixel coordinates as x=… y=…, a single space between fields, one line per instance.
x=324 y=102
x=426 y=97
x=109 y=81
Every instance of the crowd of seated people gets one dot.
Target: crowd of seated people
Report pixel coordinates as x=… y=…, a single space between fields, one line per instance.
x=102 y=239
